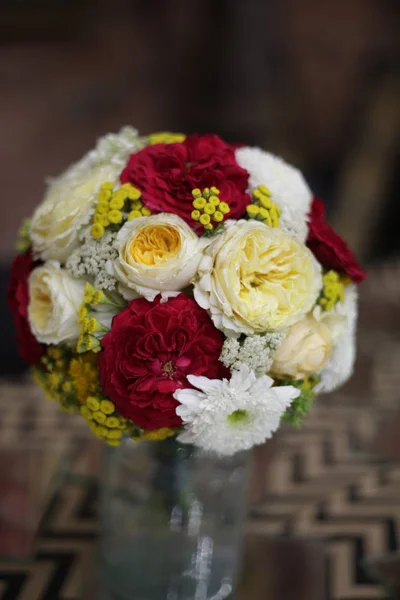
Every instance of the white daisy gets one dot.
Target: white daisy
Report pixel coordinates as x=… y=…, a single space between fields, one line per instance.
x=340 y=364
x=228 y=416
x=287 y=185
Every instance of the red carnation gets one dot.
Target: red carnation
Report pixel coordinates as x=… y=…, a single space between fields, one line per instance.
x=328 y=247
x=150 y=349
x=166 y=174
x=18 y=300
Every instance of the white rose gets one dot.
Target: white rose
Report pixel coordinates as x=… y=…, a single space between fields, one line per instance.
x=70 y=199
x=304 y=351
x=156 y=254
x=54 y=301
x=254 y=278
x=308 y=345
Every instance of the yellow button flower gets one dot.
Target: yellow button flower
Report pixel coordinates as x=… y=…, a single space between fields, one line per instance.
x=102 y=207
x=107 y=407
x=199 y=203
x=85 y=412
x=104 y=196
x=134 y=214
x=112 y=422
x=116 y=203
x=209 y=209
x=205 y=219
x=114 y=434
x=214 y=200
x=104 y=221
x=166 y=137
x=99 y=417
x=158 y=434
x=224 y=208
x=115 y=216
x=97 y=231
x=136 y=205
x=132 y=192
x=252 y=210
x=93 y=403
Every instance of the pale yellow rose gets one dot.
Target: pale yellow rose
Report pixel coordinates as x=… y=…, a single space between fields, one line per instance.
x=304 y=351
x=69 y=202
x=54 y=301
x=156 y=254
x=254 y=278
x=67 y=206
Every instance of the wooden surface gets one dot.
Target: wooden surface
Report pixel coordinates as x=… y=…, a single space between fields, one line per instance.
x=283 y=568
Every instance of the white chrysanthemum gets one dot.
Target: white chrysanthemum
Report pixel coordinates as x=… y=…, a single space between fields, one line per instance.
x=89 y=260
x=256 y=352
x=228 y=416
x=287 y=185
x=340 y=364
x=70 y=199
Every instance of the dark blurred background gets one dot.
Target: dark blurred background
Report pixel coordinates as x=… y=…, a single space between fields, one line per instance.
x=315 y=82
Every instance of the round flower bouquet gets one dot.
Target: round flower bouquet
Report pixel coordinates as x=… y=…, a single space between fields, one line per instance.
x=174 y=286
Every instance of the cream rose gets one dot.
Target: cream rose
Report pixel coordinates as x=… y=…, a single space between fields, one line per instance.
x=67 y=206
x=304 y=351
x=54 y=301
x=254 y=278
x=156 y=254
x=70 y=198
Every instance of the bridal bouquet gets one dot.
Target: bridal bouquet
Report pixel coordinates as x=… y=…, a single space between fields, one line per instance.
x=178 y=285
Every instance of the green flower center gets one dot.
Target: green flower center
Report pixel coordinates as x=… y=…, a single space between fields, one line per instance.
x=238 y=416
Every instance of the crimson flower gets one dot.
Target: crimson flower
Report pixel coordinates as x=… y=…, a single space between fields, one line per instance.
x=166 y=174
x=329 y=248
x=18 y=300
x=150 y=349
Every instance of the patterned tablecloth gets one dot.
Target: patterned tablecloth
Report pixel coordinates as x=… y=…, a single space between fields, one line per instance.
x=324 y=498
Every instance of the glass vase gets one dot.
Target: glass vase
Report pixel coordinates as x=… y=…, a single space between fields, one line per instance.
x=171 y=522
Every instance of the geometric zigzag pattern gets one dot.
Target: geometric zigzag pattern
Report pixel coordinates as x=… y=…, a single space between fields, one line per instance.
x=327 y=480
x=62 y=550
x=319 y=486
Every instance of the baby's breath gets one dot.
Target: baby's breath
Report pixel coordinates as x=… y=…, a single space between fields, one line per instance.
x=255 y=351
x=91 y=258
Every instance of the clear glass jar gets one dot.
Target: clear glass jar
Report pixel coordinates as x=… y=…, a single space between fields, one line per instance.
x=171 y=522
